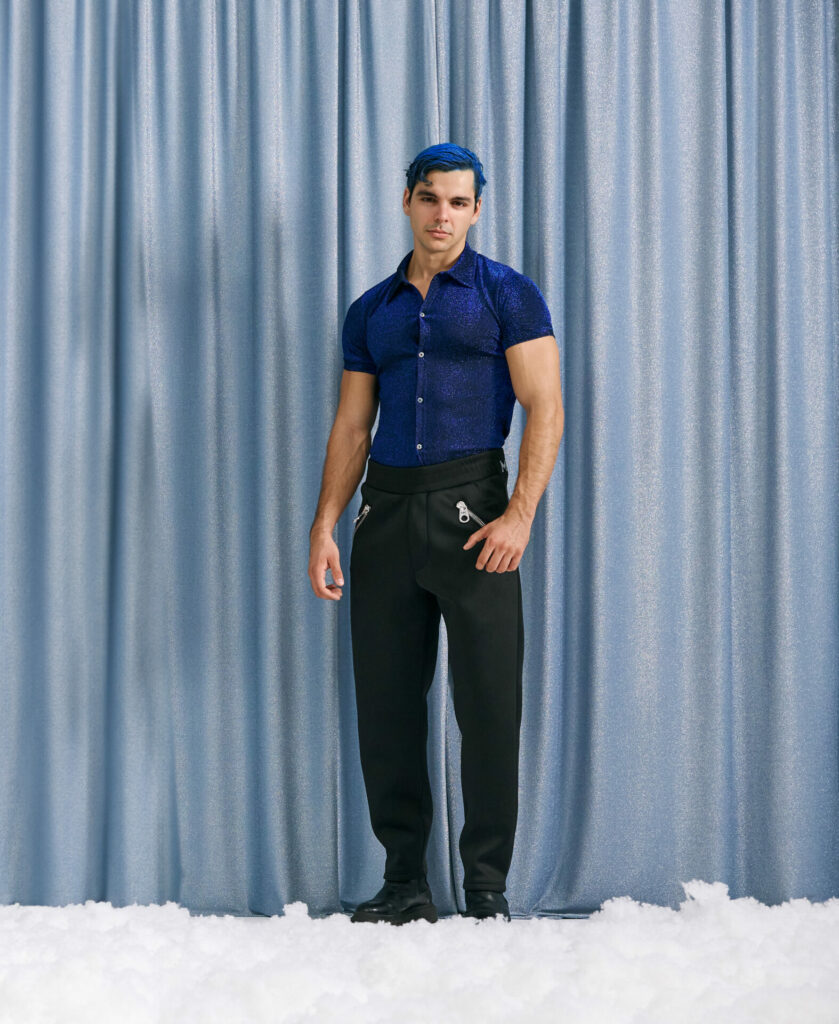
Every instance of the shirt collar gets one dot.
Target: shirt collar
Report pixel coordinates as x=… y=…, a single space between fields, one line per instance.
x=462 y=270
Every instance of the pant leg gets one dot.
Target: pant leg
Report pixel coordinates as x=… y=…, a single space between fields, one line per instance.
x=485 y=628
x=395 y=631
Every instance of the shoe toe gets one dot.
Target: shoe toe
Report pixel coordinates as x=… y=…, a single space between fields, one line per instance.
x=398 y=903
x=483 y=903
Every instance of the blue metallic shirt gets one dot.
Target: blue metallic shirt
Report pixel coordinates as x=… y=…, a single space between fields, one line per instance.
x=444 y=384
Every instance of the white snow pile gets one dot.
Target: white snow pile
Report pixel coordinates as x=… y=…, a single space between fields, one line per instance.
x=713 y=959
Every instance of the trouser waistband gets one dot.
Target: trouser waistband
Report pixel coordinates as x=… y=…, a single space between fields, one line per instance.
x=452 y=473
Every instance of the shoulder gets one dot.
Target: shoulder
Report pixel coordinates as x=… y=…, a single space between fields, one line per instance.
x=372 y=298
x=503 y=283
x=519 y=305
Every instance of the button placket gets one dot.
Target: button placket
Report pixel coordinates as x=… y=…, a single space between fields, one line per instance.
x=420 y=412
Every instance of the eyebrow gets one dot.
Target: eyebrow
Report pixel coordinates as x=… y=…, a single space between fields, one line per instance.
x=427 y=192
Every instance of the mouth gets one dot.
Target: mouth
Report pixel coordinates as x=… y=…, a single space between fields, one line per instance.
x=440 y=234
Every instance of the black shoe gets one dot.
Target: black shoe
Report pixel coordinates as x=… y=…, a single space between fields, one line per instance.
x=482 y=903
x=398 y=902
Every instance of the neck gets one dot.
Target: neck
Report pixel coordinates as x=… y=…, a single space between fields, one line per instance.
x=424 y=264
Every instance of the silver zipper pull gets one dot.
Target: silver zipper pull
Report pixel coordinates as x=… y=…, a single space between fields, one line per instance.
x=465 y=514
x=359 y=519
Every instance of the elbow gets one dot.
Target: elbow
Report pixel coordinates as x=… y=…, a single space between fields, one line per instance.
x=547 y=411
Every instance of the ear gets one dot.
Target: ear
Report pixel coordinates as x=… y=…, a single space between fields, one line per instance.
x=405 y=200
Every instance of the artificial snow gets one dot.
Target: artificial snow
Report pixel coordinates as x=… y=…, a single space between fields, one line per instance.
x=714 y=959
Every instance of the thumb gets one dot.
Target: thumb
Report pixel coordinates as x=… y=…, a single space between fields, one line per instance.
x=476 y=536
x=336 y=571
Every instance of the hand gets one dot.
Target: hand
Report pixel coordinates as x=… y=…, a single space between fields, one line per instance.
x=505 y=540
x=323 y=555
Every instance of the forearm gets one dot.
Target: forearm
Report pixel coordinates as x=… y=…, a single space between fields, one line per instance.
x=539 y=446
x=343 y=468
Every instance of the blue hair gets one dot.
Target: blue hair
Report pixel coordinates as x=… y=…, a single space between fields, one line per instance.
x=445 y=157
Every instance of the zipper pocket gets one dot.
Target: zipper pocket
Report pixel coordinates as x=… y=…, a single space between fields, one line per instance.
x=465 y=514
x=359 y=519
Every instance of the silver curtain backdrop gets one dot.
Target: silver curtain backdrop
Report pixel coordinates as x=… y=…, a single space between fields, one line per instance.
x=191 y=195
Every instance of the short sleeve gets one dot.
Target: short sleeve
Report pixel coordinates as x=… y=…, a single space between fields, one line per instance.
x=523 y=310
x=354 y=340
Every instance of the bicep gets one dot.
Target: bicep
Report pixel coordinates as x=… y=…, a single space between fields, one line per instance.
x=534 y=372
x=359 y=400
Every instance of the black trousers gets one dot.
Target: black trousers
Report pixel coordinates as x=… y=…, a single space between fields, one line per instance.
x=407 y=565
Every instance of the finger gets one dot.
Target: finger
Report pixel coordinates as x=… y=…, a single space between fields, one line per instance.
x=329 y=590
x=325 y=590
x=473 y=538
x=317 y=590
x=502 y=563
x=321 y=587
x=496 y=562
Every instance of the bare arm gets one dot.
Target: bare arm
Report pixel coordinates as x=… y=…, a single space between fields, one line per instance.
x=534 y=371
x=343 y=468
x=346 y=456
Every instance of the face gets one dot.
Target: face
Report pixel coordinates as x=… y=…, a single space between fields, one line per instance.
x=448 y=203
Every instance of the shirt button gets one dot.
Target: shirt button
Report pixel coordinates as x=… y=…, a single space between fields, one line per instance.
x=419 y=446
x=422 y=354
x=422 y=314
x=419 y=399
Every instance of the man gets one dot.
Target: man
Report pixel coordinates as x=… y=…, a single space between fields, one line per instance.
x=446 y=344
